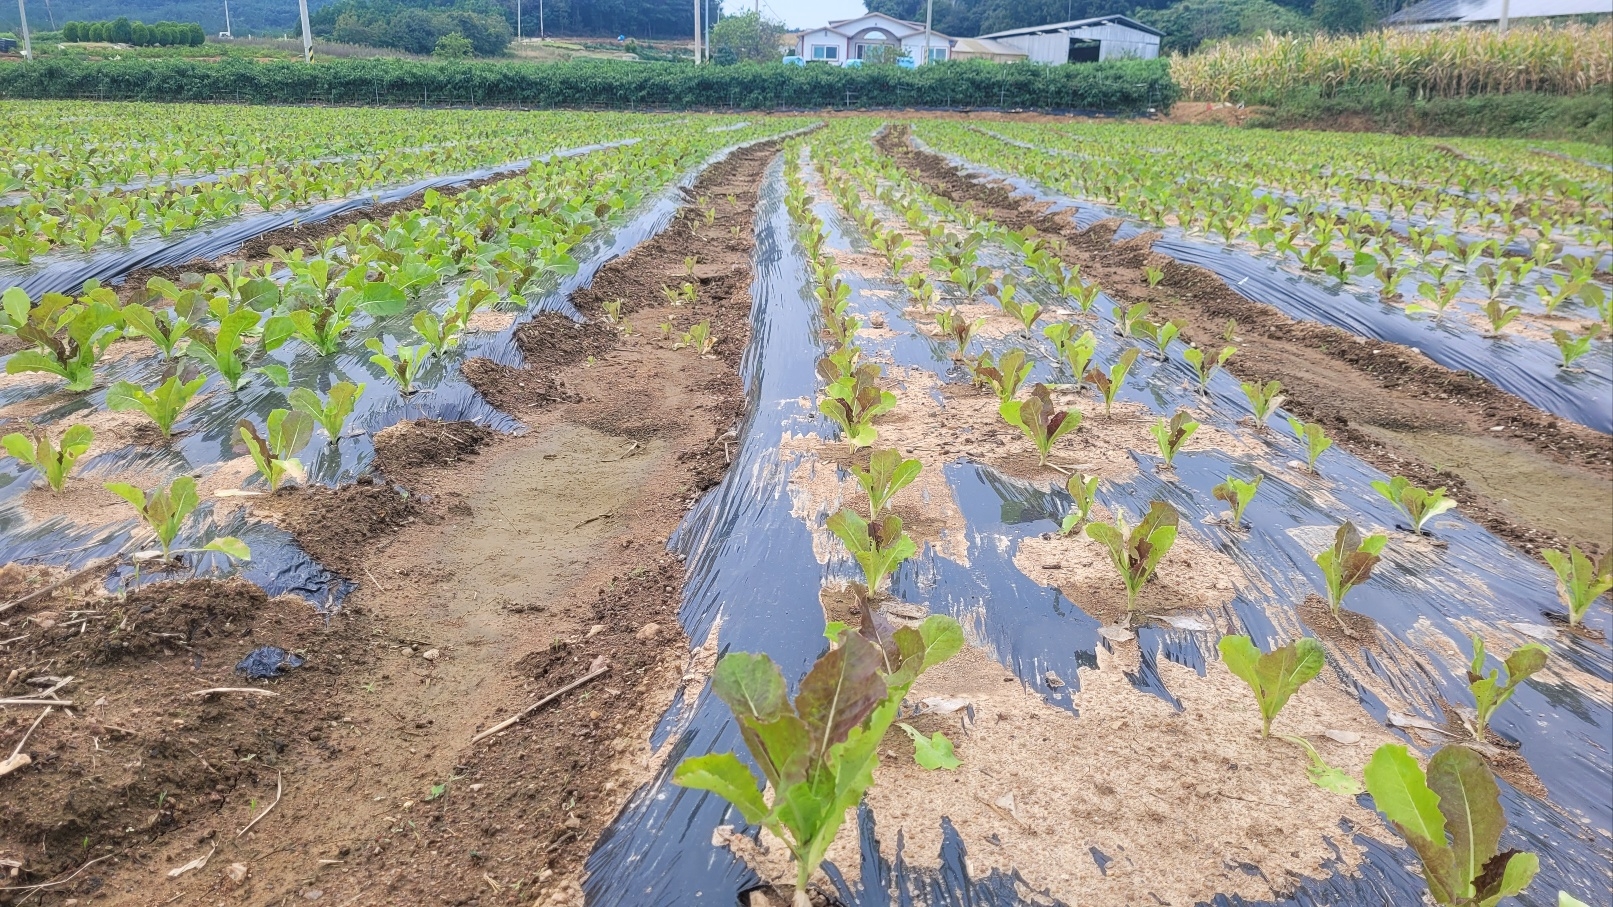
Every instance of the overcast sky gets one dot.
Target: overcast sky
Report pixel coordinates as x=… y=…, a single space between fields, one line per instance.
x=800 y=13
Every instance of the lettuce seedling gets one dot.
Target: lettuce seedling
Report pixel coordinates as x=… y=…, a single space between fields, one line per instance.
x=1274 y=676
x=166 y=328
x=1075 y=350
x=958 y=329
x=1136 y=552
x=1489 y=693
x=1500 y=315
x=1084 y=491
x=332 y=412
x=1161 y=334
x=698 y=338
x=441 y=334
x=1006 y=375
x=1316 y=441
x=1572 y=347
x=818 y=755
x=1451 y=817
x=1419 y=504
x=68 y=337
x=879 y=547
x=1203 y=368
x=1127 y=318
x=1264 y=400
x=853 y=401
x=1348 y=563
x=1172 y=435
x=54 y=460
x=1580 y=581
x=840 y=362
x=223 y=349
x=923 y=290
x=1323 y=775
x=163 y=405
x=1237 y=493
x=833 y=297
x=164 y=511
x=887 y=473
x=1438 y=297
x=275 y=456
x=1110 y=382
x=1039 y=419
x=403 y=366
x=1153 y=275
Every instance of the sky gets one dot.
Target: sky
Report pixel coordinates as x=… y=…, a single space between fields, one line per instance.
x=800 y=13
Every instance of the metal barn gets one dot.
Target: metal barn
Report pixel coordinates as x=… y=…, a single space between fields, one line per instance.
x=1084 y=40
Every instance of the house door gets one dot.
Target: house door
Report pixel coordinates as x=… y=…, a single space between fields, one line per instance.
x=1084 y=51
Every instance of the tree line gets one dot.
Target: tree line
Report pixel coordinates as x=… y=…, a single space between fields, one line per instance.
x=123 y=31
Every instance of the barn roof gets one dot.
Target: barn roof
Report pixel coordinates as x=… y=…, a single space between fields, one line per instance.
x=1126 y=21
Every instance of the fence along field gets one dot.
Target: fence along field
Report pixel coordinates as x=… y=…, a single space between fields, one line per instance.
x=966 y=453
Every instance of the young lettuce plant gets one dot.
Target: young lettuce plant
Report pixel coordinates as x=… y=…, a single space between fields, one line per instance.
x=1580 y=581
x=699 y=338
x=167 y=328
x=1572 y=347
x=1419 y=504
x=1489 y=693
x=1127 y=318
x=818 y=755
x=1264 y=400
x=1348 y=563
x=1237 y=493
x=1161 y=334
x=853 y=401
x=1040 y=420
x=1500 y=315
x=54 y=460
x=1109 y=383
x=1137 y=551
x=1084 y=491
x=958 y=329
x=275 y=456
x=1274 y=676
x=1075 y=350
x=887 y=473
x=403 y=366
x=69 y=337
x=222 y=350
x=1438 y=297
x=1451 y=817
x=1316 y=440
x=164 y=511
x=332 y=412
x=1172 y=435
x=879 y=547
x=1006 y=375
x=1204 y=368
x=163 y=405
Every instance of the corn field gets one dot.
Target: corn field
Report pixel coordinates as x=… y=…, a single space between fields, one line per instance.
x=1445 y=63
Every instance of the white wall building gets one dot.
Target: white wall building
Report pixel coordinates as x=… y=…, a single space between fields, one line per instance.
x=856 y=39
x=1084 y=40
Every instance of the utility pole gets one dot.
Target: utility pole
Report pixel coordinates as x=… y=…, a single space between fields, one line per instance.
x=27 y=43
x=696 y=31
x=542 y=35
x=307 y=33
x=518 y=21
x=929 y=19
x=50 y=15
x=1504 y=11
x=228 y=28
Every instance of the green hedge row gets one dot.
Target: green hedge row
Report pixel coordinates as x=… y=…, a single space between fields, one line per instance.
x=1584 y=117
x=1117 y=86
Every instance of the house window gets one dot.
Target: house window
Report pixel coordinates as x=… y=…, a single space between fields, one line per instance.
x=937 y=54
x=825 y=52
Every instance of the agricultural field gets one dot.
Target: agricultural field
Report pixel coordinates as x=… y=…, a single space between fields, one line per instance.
x=552 y=508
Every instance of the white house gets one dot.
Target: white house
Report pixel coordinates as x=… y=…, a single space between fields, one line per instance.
x=1084 y=40
x=857 y=39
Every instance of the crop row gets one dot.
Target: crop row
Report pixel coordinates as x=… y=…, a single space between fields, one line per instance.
x=425 y=272
x=1294 y=212
x=64 y=214
x=817 y=762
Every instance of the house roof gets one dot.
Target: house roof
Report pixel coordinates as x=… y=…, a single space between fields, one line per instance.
x=1490 y=10
x=985 y=46
x=1126 y=21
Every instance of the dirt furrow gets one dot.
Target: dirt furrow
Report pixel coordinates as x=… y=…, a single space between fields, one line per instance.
x=1526 y=475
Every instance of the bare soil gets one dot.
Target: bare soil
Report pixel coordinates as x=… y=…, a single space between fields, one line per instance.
x=492 y=571
x=1385 y=403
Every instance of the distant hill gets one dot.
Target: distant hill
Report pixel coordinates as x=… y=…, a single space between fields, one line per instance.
x=249 y=17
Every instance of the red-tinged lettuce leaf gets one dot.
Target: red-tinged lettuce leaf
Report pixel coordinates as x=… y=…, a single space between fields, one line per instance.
x=1507 y=874
x=840 y=691
x=751 y=685
x=1471 y=804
